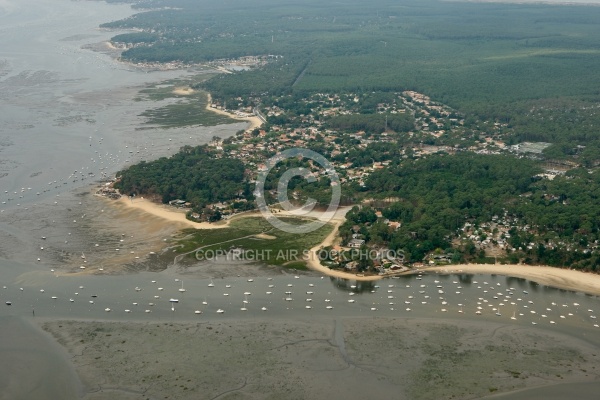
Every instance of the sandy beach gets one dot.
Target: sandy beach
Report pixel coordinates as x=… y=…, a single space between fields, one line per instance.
x=254 y=122
x=315 y=264
x=167 y=213
x=557 y=277
x=172 y=215
x=551 y=276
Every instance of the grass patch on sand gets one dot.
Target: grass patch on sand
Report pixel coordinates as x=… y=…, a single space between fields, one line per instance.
x=243 y=239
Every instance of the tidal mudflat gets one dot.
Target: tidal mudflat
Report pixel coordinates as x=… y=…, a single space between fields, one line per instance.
x=352 y=358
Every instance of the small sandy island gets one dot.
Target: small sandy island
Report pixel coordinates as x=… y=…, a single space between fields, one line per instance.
x=183 y=91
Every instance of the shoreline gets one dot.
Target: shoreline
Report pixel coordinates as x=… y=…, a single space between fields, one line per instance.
x=313 y=261
x=165 y=212
x=176 y=216
x=560 y=278
x=552 y=276
x=254 y=121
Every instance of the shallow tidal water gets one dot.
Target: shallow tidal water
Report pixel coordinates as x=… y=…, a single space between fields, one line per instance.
x=147 y=297
x=68 y=119
x=68 y=116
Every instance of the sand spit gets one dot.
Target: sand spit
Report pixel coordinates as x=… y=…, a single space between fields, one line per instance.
x=366 y=358
x=164 y=212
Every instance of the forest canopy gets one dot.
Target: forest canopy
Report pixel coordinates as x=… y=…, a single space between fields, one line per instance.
x=193 y=175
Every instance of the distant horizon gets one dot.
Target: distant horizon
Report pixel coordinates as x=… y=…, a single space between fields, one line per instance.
x=557 y=2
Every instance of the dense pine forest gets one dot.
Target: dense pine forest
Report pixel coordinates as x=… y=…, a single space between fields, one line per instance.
x=337 y=78
x=511 y=62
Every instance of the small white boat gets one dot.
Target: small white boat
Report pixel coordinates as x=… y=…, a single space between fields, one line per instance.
x=220 y=311
x=174 y=300
x=197 y=312
x=107 y=309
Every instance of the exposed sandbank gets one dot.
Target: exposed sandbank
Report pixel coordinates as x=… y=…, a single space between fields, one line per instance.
x=183 y=91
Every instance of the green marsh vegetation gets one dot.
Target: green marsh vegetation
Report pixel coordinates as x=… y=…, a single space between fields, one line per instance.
x=182 y=109
x=271 y=246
